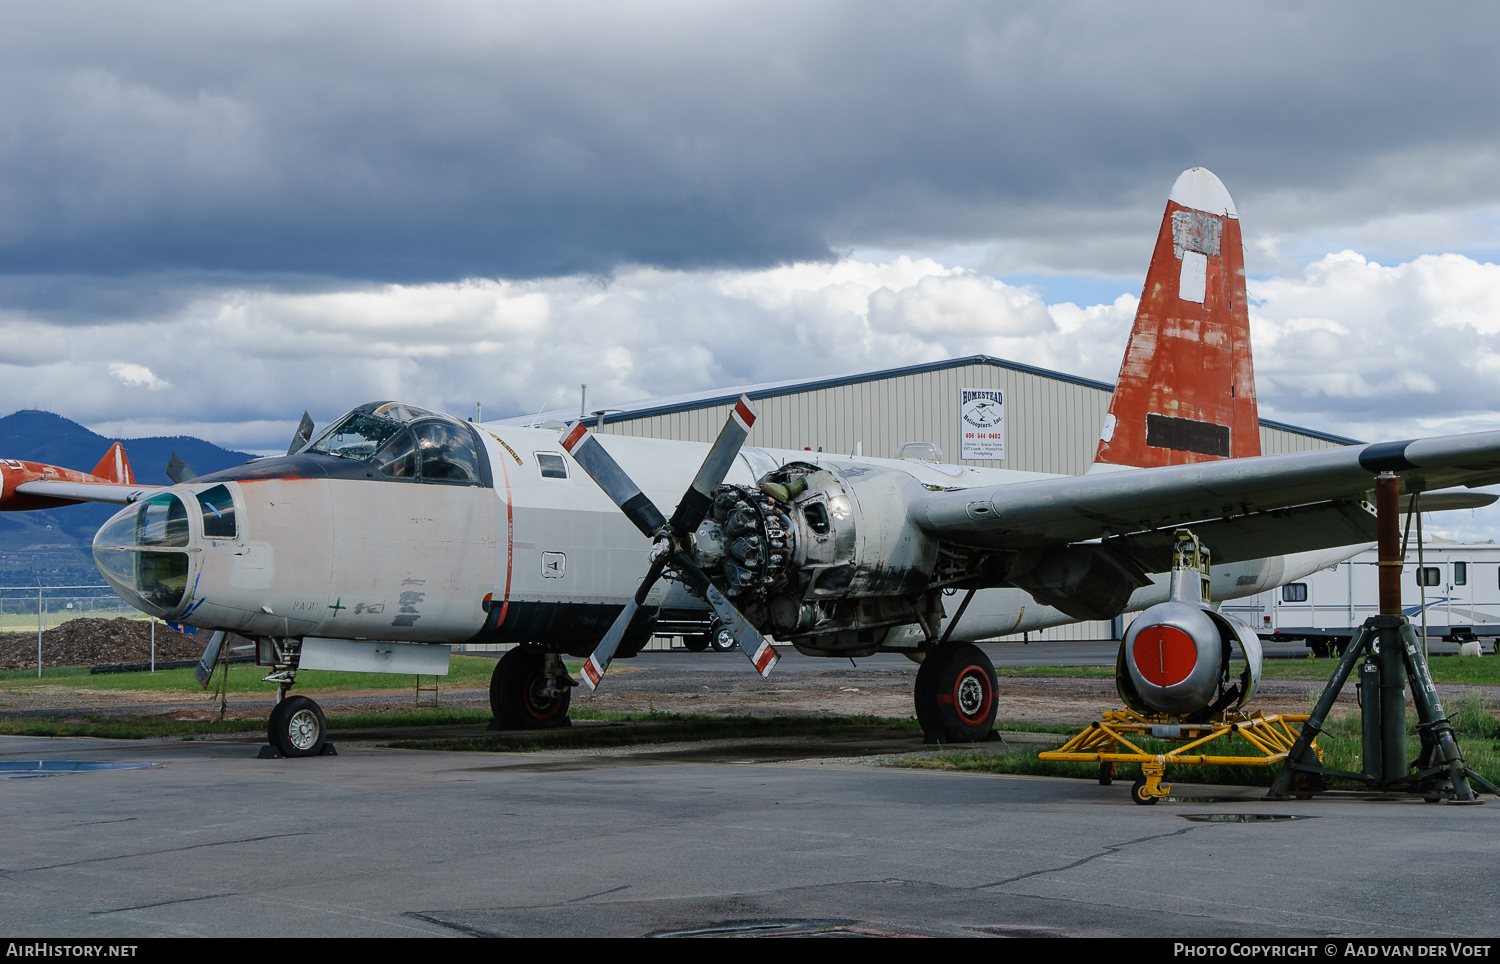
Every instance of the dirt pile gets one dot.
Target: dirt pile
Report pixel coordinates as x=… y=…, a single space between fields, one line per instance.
x=89 y=641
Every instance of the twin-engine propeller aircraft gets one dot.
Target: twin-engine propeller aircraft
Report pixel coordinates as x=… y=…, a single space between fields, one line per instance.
x=398 y=531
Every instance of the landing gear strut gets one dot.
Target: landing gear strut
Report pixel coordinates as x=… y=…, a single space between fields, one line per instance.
x=955 y=694
x=296 y=726
x=530 y=691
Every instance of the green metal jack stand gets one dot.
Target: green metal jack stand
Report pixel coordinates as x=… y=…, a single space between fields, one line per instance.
x=1393 y=659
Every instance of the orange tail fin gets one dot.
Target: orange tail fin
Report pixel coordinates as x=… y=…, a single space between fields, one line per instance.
x=115 y=466
x=1187 y=385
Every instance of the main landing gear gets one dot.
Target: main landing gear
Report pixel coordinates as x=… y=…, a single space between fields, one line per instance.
x=530 y=691
x=955 y=694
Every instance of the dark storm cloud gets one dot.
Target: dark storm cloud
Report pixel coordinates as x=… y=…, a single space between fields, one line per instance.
x=442 y=141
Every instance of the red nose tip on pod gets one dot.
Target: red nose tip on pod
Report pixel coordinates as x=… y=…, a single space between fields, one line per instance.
x=1165 y=655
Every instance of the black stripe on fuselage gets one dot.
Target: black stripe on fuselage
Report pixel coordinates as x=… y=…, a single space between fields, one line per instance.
x=561 y=627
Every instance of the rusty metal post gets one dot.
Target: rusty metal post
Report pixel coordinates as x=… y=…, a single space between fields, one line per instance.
x=1388 y=544
x=1393 y=763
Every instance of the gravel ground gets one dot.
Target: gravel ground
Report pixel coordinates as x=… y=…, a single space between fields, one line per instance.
x=89 y=641
x=1037 y=700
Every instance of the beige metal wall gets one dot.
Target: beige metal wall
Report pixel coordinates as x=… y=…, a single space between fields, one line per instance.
x=1051 y=425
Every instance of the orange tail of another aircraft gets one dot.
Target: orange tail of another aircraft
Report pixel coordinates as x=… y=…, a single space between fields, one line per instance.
x=1186 y=391
x=25 y=486
x=115 y=467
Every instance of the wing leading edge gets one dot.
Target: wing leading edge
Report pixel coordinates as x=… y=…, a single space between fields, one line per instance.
x=1241 y=492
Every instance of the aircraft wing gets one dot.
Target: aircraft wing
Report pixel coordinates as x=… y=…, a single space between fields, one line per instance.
x=87 y=491
x=1249 y=495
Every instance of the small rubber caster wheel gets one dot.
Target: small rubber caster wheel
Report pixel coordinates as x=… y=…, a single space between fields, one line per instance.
x=1139 y=795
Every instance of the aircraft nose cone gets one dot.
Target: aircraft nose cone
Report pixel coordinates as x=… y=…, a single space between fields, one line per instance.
x=1199 y=189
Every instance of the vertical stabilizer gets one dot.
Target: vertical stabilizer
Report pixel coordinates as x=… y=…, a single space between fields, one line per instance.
x=1186 y=391
x=115 y=466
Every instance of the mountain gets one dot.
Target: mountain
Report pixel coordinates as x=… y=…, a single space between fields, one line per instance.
x=53 y=545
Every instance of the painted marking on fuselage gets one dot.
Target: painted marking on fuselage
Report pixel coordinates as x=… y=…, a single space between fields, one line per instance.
x=407 y=614
x=338 y=604
x=510 y=529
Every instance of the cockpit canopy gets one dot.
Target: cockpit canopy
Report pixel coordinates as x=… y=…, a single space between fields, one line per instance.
x=408 y=443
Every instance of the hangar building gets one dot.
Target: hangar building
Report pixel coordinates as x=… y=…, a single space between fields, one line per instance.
x=1047 y=421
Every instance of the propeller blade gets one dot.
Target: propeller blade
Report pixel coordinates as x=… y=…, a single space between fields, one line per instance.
x=699 y=497
x=605 y=471
x=598 y=661
x=757 y=648
x=762 y=654
x=205 y=667
x=303 y=436
x=179 y=471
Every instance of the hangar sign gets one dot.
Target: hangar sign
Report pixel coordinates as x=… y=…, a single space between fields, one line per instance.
x=982 y=422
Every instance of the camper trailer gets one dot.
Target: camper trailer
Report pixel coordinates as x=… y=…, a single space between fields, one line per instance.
x=1457 y=585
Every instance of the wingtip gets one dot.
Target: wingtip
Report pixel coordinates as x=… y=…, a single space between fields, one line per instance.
x=1200 y=189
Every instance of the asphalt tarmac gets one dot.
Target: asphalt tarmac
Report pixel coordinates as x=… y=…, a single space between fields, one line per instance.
x=724 y=838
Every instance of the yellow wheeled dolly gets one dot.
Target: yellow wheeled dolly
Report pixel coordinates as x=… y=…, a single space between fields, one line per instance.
x=1108 y=743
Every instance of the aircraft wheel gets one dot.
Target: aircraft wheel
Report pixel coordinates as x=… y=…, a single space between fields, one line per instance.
x=955 y=694
x=516 y=694
x=720 y=639
x=697 y=643
x=297 y=727
x=1138 y=793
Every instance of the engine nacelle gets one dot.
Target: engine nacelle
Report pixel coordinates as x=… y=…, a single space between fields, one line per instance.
x=1175 y=657
x=823 y=556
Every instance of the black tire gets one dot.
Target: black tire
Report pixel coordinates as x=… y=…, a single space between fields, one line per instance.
x=516 y=698
x=297 y=727
x=720 y=639
x=1138 y=794
x=955 y=694
x=696 y=644
x=1106 y=774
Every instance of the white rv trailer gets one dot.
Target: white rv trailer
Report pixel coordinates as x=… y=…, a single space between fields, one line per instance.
x=1460 y=581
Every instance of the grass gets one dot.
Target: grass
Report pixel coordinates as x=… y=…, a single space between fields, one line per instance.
x=1475 y=671
x=463 y=672
x=1473 y=720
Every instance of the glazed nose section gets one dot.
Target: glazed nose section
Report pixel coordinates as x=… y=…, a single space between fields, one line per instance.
x=144 y=554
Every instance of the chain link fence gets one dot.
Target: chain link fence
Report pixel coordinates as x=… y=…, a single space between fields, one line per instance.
x=20 y=606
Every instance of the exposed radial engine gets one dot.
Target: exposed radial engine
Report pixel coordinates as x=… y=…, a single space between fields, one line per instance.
x=822 y=556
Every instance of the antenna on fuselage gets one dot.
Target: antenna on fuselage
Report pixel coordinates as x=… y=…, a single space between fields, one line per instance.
x=583 y=401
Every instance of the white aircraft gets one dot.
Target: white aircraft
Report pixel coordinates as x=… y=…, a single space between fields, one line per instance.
x=397 y=531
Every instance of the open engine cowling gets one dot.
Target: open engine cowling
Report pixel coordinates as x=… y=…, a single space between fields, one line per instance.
x=820 y=555
x=1175 y=659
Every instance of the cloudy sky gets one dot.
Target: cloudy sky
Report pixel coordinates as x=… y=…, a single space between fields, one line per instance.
x=213 y=217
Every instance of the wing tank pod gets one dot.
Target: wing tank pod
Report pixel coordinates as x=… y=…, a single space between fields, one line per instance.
x=1176 y=656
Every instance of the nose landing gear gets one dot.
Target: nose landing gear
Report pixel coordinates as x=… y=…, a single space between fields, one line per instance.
x=296 y=726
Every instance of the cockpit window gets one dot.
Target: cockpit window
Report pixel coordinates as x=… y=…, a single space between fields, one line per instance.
x=408 y=443
x=358 y=436
x=397 y=458
x=217 y=506
x=162 y=522
x=448 y=453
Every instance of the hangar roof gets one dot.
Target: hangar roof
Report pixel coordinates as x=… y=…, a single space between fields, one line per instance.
x=667 y=404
